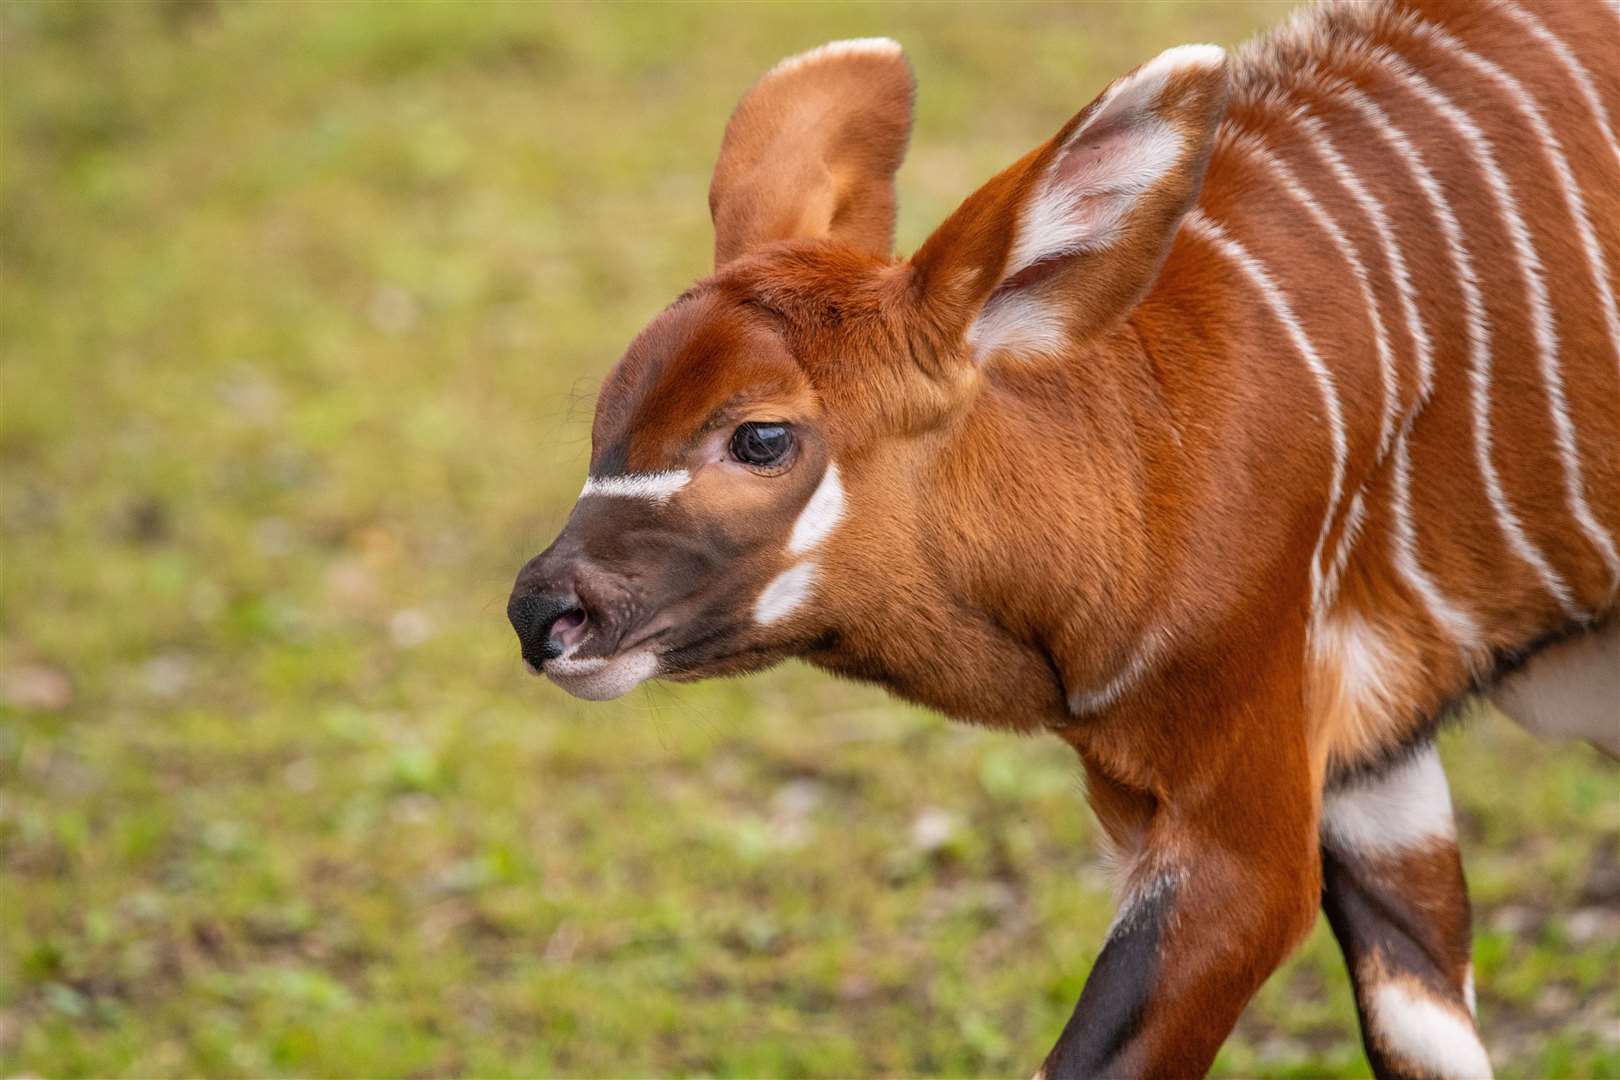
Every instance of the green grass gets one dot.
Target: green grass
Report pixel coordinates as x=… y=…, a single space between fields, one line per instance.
x=302 y=311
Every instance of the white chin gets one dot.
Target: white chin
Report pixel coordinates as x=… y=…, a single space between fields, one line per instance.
x=603 y=678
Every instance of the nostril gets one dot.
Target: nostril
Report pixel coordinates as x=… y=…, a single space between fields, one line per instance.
x=540 y=618
x=568 y=625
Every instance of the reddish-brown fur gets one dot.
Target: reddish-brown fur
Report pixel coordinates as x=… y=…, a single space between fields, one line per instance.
x=1022 y=528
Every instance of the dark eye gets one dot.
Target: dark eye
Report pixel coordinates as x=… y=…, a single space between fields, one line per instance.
x=762 y=445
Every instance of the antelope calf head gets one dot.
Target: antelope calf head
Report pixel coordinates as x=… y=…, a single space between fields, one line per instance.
x=789 y=459
x=1182 y=439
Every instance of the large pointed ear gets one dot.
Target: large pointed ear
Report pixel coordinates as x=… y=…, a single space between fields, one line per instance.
x=1068 y=239
x=811 y=151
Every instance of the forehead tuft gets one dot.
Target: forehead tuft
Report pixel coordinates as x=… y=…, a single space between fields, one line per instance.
x=703 y=351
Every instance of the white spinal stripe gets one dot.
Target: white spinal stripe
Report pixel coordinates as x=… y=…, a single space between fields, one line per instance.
x=1406 y=807
x=1083 y=702
x=1577 y=71
x=1456 y=622
x=1557 y=407
x=1418 y=1030
x=1479 y=338
x=1201 y=224
x=820 y=514
x=786 y=592
x=657 y=486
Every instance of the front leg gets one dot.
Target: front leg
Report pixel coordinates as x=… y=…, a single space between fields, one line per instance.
x=1394 y=893
x=1223 y=882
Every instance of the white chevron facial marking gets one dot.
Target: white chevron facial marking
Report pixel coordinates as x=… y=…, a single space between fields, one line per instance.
x=785 y=594
x=820 y=515
x=658 y=486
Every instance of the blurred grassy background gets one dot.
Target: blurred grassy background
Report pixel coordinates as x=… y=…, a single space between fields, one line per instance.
x=303 y=307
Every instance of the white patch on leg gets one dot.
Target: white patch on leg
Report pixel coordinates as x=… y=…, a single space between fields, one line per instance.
x=785 y=593
x=658 y=486
x=820 y=515
x=1404 y=808
x=1426 y=1034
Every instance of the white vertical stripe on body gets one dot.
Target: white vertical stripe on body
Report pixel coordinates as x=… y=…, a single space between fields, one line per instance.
x=1569 y=455
x=1457 y=623
x=1316 y=137
x=1571 y=64
x=1255 y=148
x=1260 y=278
x=1480 y=360
x=1461 y=626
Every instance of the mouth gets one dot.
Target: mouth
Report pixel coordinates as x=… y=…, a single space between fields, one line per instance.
x=639 y=658
x=600 y=678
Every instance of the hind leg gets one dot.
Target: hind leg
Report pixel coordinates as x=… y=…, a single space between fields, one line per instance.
x=1394 y=894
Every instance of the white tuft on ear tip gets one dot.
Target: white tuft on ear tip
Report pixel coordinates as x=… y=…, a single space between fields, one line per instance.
x=872 y=46
x=1154 y=73
x=1192 y=56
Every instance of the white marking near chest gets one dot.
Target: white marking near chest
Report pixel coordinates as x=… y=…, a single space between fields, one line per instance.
x=1083 y=702
x=1358 y=659
x=658 y=486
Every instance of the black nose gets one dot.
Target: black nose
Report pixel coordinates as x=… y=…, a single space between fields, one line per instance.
x=533 y=615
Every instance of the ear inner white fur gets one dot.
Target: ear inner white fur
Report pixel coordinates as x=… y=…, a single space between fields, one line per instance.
x=1123 y=151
